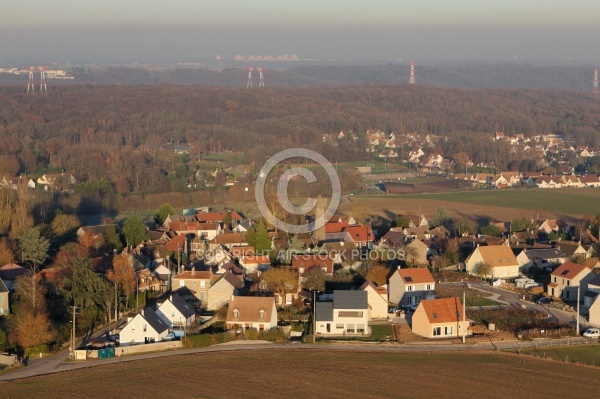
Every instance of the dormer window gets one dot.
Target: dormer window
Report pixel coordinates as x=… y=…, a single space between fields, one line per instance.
x=261 y=313
x=301 y=270
x=236 y=313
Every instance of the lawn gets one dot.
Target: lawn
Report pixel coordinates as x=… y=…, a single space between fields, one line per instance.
x=473 y=297
x=586 y=354
x=379 y=332
x=319 y=373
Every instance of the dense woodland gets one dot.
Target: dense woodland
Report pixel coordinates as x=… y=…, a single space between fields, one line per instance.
x=114 y=139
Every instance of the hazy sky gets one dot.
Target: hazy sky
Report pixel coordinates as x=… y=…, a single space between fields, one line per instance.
x=189 y=30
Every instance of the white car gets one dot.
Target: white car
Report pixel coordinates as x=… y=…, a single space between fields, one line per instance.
x=592 y=333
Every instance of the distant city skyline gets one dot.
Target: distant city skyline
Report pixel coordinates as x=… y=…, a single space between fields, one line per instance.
x=186 y=30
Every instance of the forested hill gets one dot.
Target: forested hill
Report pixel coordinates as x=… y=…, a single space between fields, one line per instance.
x=113 y=132
x=471 y=76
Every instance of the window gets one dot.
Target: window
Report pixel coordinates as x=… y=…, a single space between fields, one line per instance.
x=339 y=326
x=437 y=331
x=236 y=313
x=181 y=283
x=360 y=328
x=301 y=270
x=409 y=288
x=568 y=282
x=202 y=284
x=428 y=287
x=350 y=329
x=448 y=330
x=261 y=313
x=144 y=327
x=350 y=313
x=555 y=279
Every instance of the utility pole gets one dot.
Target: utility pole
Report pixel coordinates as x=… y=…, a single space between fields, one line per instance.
x=116 y=302
x=314 y=317
x=73 y=334
x=464 y=315
x=577 y=315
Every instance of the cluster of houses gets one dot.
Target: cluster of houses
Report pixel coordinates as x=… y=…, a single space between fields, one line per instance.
x=49 y=181
x=529 y=179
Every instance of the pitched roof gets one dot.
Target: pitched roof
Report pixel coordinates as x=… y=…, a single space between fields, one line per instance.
x=497 y=255
x=543 y=253
x=177 y=243
x=229 y=238
x=416 y=275
x=154 y=320
x=249 y=308
x=569 y=270
x=181 y=305
x=232 y=279
x=309 y=261
x=217 y=216
x=335 y=227
x=350 y=299
x=360 y=233
x=12 y=271
x=444 y=310
x=194 y=275
x=3 y=288
x=235 y=269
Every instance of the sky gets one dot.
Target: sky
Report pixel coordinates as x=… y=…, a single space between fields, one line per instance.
x=192 y=30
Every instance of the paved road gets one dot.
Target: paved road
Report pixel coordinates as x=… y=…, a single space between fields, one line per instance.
x=50 y=368
x=512 y=298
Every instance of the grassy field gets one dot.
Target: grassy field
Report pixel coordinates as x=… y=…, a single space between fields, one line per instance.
x=586 y=354
x=485 y=205
x=317 y=374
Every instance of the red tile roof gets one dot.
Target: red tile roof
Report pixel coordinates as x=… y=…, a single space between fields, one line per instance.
x=335 y=227
x=416 y=275
x=445 y=310
x=360 y=234
x=309 y=261
x=569 y=270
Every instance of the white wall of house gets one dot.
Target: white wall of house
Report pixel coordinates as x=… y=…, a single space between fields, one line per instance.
x=378 y=304
x=219 y=294
x=138 y=330
x=408 y=294
x=173 y=317
x=345 y=322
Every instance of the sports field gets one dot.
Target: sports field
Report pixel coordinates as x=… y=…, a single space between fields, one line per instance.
x=268 y=374
x=499 y=205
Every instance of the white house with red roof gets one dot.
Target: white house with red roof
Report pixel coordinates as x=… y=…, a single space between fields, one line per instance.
x=567 y=279
x=410 y=286
x=440 y=318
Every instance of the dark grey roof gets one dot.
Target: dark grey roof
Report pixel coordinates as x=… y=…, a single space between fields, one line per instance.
x=591 y=294
x=155 y=322
x=595 y=280
x=324 y=311
x=231 y=279
x=550 y=253
x=350 y=299
x=181 y=305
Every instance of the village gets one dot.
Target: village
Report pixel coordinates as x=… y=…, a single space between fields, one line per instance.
x=215 y=276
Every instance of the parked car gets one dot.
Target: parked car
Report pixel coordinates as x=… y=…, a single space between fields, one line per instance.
x=592 y=333
x=544 y=299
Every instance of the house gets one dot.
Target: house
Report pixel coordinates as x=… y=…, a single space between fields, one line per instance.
x=176 y=312
x=96 y=231
x=593 y=290
x=567 y=279
x=197 y=282
x=4 y=304
x=416 y=252
x=572 y=248
x=545 y=258
x=500 y=258
x=594 y=313
x=552 y=225
x=347 y=314
x=144 y=327
x=255 y=263
x=10 y=272
x=219 y=294
x=377 y=300
x=147 y=281
x=590 y=180
x=362 y=236
x=255 y=312
x=410 y=286
x=304 y=262
x=208 y=231
x=440 y=318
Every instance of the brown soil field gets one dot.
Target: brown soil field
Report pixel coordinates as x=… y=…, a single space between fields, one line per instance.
x=388 y=208
x=318 y=374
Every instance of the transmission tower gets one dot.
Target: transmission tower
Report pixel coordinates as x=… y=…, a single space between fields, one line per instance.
x=249 y=83
x=30 y=83
x=43 y=78
x=261 y=79
x=412 y=78
x=595 y=85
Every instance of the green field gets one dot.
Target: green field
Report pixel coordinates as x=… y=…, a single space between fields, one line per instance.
x=582 y=201
x=586 y=354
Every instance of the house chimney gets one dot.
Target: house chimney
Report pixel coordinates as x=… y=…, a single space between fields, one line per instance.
x=142 y=312
x=171 y=297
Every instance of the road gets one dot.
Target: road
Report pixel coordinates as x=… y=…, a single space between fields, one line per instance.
x=512 y=298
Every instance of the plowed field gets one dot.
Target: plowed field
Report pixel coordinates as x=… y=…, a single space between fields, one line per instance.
x=268 y=374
